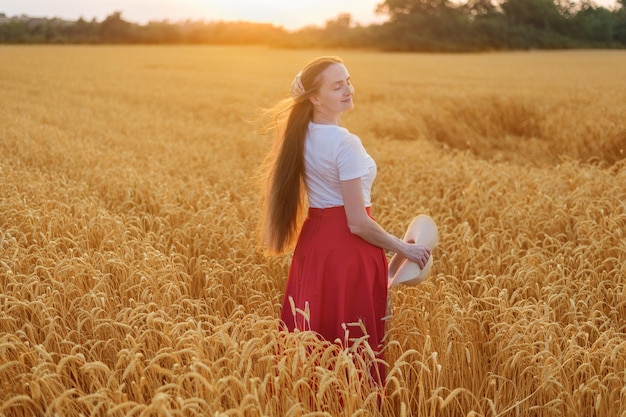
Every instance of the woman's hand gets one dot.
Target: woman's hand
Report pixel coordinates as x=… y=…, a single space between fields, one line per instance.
x=416 y=252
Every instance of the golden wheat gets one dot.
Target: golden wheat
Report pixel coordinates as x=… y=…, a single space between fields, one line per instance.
x=131 y=285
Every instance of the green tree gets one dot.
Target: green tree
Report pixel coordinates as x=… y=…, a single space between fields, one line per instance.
x=337 y=31
x=14 y=31
x=423 y=25
x=116 y=30
x=620 y=23
x=476 y=8
x=159 y=32
x=595 y=24
x=397 y=8
x=81 y=31
x=540 y=14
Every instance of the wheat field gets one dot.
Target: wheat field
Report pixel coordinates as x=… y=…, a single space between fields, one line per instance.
x=131 y=283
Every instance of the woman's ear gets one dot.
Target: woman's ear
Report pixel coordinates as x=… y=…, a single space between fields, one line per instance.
x=315 y=100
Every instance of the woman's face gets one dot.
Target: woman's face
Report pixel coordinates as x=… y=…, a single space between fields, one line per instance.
x=335 y=93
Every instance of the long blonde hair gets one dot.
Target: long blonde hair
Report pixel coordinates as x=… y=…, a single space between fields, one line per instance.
x=283 y=167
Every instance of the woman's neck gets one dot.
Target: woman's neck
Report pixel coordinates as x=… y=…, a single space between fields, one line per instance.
x=325 y=119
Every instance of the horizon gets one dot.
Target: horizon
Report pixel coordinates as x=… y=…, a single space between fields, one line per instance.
x=281 y=13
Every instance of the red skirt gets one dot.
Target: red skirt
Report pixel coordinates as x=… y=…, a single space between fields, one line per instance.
x=337 y=283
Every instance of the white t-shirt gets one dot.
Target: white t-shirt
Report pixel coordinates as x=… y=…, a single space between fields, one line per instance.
x=333 y=154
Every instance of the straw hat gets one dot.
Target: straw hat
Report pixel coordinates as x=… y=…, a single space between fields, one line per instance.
x=422 y=230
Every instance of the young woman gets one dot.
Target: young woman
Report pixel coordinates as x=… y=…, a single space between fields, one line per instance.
x=337 y=284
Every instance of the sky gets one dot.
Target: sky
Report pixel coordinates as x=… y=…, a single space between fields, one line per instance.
x=290 y=14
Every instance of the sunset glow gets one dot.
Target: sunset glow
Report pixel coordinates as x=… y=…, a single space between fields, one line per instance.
x=287 y=13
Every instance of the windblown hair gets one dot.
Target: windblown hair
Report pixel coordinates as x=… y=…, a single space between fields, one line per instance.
x=283 y=168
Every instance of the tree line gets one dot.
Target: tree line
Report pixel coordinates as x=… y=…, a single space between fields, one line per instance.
x=411 y=25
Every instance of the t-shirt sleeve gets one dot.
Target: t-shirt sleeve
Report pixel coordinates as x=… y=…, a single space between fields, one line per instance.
x=351 y=158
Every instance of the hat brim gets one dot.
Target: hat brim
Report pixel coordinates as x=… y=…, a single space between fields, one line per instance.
x=409 y=273
x=422 y=230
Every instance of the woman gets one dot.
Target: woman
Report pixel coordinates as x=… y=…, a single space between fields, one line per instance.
x=337 y=284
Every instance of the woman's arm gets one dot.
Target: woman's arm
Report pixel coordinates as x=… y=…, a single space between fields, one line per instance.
x=366 y=228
